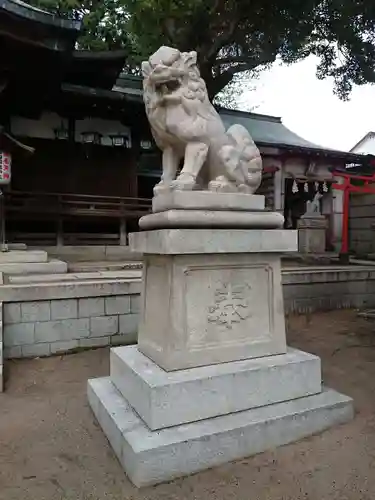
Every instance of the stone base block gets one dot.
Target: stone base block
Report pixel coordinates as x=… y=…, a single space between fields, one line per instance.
x=151 y=457
x=221 y=219
x=22 y=256
x=213 y=241
x=207 y=200
x=200 y=310
x=164 y=399
x=53 y=266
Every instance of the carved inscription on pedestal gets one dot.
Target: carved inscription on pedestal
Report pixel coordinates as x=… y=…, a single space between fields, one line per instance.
x=231 y=305
x=228 y=305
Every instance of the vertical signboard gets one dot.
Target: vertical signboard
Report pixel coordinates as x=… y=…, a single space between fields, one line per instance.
x=5 y=167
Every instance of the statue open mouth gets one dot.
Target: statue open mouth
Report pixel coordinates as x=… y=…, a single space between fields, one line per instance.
x=167 y=87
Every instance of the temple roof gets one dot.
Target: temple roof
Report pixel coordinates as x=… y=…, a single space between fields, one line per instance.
x=270 y=131
x=266 y=130
x=29 y=25
x=95 y=69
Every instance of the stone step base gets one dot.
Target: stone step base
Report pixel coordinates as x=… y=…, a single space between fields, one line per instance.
x=165 y=399
x=50 y=267
x=151 y=457
x=82 y=267
x=94 y=275
x=23 y=256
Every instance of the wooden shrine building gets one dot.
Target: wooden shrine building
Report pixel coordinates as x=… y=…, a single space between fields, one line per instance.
x=83 y=160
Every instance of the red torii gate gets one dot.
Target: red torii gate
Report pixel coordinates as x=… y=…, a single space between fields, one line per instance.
x=347 y=187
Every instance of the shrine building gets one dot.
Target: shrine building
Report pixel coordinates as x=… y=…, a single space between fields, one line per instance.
x=82 y=161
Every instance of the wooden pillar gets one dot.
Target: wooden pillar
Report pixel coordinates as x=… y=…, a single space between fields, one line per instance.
x=123 y=233
x=59 y=224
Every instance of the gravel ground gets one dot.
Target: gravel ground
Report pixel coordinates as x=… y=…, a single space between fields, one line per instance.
x=51 y=448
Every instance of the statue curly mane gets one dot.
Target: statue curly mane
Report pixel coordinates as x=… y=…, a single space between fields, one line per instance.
x=185 y=125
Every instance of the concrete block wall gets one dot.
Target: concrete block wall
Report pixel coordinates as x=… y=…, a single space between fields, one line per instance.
x=1 y=350
x=326 y=289
x=63 y=317
x=361 y=220
x=42 y=328
x=75 y=316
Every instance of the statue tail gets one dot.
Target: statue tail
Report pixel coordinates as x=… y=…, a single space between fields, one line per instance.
x=249 y=155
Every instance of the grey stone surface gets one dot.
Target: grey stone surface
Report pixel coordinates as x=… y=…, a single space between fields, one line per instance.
x=36 y=350
x=128 y=323
x=104 y=325
x=68 y=290
x=68 y=329
x=205 y=309
x=151 y=457
x=63 y=346
x=117 y=305
x=53 y=266
x=1 y=348
x=135 y=304
x=220 y=219
x=13 y=352
x=195 y=241
x=19 y=334
x=312 y=234
x=21 y=256
x=206 y=200
x=12 y=313
x=165 y=399
x=94 y=342
x=32 y=312
x=64 y=309
x=91 y=307
x=124 y=338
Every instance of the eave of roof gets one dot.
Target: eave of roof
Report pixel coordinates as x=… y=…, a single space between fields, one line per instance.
x=361 y=141
x=266 y=130
x=269 y=131
x=95 y=69
x=26 y=11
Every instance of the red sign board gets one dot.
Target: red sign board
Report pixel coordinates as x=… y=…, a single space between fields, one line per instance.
x=5 y=167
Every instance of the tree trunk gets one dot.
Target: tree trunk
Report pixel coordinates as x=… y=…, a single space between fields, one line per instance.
x=214 y=84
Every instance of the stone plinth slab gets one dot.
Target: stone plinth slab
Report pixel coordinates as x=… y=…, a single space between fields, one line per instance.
x=307 y=221
x=206 y=200
x=21 y=256
x=164 y=399
x=52 y=266
x=222 y=219
x=312 y=234
x=204 y=309
x=151 y=457
x=211 y=241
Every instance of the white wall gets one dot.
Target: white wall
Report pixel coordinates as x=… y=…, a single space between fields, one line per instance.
x=366 y=147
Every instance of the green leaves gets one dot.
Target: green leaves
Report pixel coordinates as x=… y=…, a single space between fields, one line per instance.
x=235 y=36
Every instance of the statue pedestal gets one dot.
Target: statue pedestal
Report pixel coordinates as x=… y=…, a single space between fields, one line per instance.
x=312 y=234
x=211 y=379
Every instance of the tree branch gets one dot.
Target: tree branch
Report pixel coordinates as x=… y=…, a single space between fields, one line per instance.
x=249 y=60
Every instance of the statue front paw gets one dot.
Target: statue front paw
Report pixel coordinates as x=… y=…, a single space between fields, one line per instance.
x=162 y=187
x=184 y=182
x=221 y=185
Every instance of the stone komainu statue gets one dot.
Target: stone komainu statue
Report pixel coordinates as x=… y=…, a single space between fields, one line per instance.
x=186 y=126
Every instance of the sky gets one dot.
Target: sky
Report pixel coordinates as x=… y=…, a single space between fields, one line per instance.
x=309 y=107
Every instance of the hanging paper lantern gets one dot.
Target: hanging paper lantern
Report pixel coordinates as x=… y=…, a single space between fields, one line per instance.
x=5 y=167
x=294 y=187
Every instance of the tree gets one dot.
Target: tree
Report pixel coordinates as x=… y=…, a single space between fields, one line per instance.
x=234 y=36
x=230 y=96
